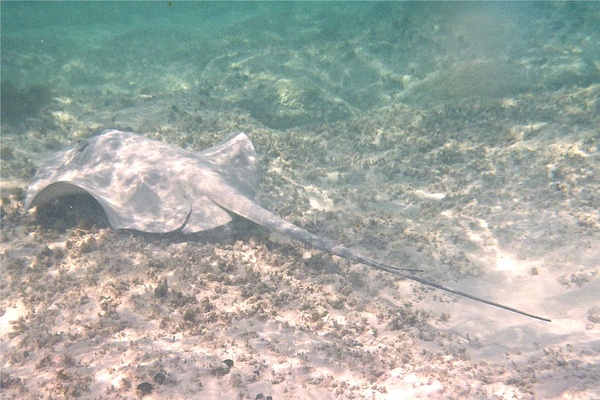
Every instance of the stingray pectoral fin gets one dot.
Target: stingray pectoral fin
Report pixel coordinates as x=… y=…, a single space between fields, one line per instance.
x=234 y=149
x=60 y=189
x=234 y=159
x=50 y=192
x=143 y=211
x=141 y=208
x=151 y=220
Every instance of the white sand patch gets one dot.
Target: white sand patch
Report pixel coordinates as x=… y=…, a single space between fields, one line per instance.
x=319 y=199
x=429 y=196
x=11 y=314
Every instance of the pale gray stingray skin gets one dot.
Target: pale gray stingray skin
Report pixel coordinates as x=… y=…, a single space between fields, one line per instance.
x=149 y=185
x=152 y=186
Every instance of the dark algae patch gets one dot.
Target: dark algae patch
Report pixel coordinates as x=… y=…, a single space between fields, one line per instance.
x=19 y=104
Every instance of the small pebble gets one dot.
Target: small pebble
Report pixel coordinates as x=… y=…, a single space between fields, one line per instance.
x=228 y=362
x=144 y=388
x=261 y=396
x=594 y=315
x=160 y=378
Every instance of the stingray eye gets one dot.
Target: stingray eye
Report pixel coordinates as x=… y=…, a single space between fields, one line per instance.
x=82 y=144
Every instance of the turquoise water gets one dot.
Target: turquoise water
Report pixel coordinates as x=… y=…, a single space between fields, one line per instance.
x=290 y=64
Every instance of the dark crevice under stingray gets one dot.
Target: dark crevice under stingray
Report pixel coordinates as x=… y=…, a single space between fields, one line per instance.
x=151 y=186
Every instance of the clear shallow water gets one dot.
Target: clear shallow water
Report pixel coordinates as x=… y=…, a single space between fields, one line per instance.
x=461 y=139
x=290 y=64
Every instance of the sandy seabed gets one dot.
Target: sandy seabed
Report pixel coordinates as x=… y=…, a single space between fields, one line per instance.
x=496 y=196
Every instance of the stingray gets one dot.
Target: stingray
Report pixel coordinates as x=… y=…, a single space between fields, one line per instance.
x=151 y=186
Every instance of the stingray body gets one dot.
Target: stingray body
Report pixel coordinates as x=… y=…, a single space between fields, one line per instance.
x=152 y=186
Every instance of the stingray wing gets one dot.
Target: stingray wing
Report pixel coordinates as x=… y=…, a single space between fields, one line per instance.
x=141 y=184
x=234 y=159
